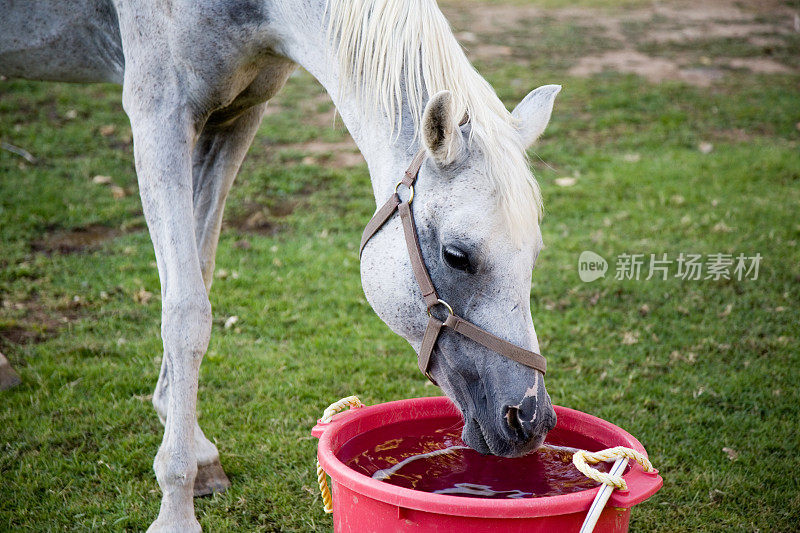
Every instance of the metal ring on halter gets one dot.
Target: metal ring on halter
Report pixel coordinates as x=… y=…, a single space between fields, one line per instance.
x=410 y=188
x=441 y=302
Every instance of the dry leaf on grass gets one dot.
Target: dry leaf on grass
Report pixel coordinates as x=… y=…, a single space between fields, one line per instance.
x=732 y=454
x=142 y=296
x=630 y=337
x=721 y=227
x=117 y=192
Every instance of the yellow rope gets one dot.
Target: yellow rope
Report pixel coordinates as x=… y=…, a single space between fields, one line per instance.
x=322 y=479
x=353 y=402
x=582 y=457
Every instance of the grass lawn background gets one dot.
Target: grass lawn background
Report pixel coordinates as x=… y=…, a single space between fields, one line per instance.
x=704 y=373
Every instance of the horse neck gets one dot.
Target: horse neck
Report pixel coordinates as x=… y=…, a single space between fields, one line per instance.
x=386 y=147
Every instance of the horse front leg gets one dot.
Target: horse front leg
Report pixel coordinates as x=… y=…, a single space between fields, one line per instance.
x=217 y=157
x=163 y=134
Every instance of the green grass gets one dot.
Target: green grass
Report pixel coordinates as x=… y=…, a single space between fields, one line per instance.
x=715 y=366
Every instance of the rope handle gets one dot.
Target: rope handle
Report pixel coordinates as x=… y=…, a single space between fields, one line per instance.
x=581 y=459
x=353 y=403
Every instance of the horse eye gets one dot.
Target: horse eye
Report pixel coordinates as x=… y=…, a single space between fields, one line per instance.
x=456 y=258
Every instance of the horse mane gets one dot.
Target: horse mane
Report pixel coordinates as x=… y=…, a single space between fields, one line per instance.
x=385 y=47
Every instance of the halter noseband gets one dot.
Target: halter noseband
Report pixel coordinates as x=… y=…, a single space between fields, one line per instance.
x=429 y=295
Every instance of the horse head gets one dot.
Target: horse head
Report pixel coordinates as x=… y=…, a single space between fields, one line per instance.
x=474 y=207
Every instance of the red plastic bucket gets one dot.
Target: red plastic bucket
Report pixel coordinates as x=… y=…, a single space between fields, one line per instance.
x=363 y=505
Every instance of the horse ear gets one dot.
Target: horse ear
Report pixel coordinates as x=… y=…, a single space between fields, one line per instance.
x=440 y=132
x=533 y=112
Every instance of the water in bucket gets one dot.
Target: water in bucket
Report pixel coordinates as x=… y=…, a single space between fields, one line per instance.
x=437 y=461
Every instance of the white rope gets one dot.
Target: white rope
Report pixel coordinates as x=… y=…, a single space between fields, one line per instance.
x=582 y=457
x=611 y=480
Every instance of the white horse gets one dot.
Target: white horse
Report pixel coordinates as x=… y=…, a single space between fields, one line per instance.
x=196 y=79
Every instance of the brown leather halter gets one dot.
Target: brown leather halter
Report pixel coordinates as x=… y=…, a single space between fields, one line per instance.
x=429 y=295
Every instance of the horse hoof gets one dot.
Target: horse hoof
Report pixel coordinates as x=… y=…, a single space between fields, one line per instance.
x=8 y=377
x=210 y=479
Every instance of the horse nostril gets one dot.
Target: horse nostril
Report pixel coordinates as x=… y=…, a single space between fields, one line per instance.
x=552 y=420
x=512 y=419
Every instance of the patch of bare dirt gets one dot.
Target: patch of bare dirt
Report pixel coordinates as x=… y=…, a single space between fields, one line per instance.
x=343 y=154
x=761 y=23
x=260 y=219
x=610 y=23
x=75 y=240
x=266 y=219
x=489 y=51
x=319 y=111
x=717 y=30
x=627 y=61
x=18 y=333
x=759 y=65
x=653 y=69
x=35 y=322
x=491 y=18
x=716 y=10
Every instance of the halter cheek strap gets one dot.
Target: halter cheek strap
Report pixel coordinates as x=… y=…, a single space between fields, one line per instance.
x=429 y=295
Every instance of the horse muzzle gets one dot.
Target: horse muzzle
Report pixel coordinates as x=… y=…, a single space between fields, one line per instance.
x=510 y=430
